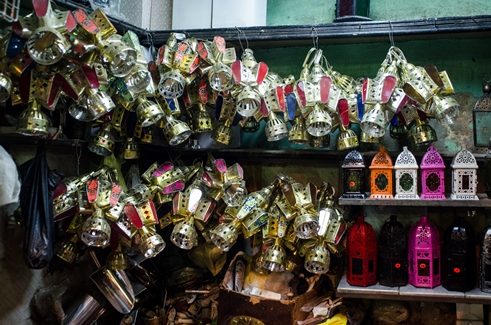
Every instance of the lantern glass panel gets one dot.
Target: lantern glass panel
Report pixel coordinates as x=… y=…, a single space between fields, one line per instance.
x=482 y=128
x=465 y=182
x=406 y=181
x=433 y=182
x=381 y=182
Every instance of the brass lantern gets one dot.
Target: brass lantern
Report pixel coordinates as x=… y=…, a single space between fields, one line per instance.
x=119 y=56
x=5 y=87
x=103 y=143
x=151 y=243
x=47 y=46
x=131 y=150
x=93 y=104
x=96 y=231
x=298 y=133
x=33 y=121
x=274 y=257
x=176 y=131
x=148 y=112
x=276 y=128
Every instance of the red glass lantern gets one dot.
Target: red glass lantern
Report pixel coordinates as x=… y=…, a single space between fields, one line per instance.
x=432 y=175
x=424 y=254
x=362 y=254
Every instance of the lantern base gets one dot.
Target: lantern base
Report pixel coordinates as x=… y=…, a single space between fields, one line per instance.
x=353 y=196
x=406 y=196
x=381 y=196
x=433 y=196
x=462 y=196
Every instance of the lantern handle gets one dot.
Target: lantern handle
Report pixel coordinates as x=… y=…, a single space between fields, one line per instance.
x=391 y=34
x=315 y=37
x=239 y=32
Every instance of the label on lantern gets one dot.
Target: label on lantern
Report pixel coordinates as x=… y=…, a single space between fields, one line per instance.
x=92 y=190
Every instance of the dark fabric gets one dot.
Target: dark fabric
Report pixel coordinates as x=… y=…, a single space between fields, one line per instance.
x=38 y=183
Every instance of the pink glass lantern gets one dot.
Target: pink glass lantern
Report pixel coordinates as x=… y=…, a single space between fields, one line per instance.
x=424 y=254
x=432 y=175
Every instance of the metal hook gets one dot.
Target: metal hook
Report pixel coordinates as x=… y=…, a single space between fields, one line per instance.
x=315 y=37
x=239 y=32
x=391 y=34
x=238 y=36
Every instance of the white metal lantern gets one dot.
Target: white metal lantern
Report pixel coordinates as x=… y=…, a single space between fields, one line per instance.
x=464 y=176
x=406 y=168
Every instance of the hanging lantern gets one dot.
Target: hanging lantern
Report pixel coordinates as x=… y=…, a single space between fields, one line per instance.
x=274 y=257
x=103 y=143
x=374 y=120
x=485 y=261
x=176 y=131
x=119 y=56
x=223 y=132
x=432 y=175
x=91 y=105
x=96 y=231
x=33 y=121
x=406 y=168
x=347 y=138
x=298 y=133
x=320 y=142
x=131 y=150
x=276 y=128
x=381 y=175
x=5 y=87
x=421 y=132
x=481 y=118
x=392 y=252
x=318 y=122
x=317 y=259
x=424 y=254
x=47 y=46
x=225 y=235
x=148 y=112
x=201 y=119
x=459 y=261
x=117 y=259
x=68 y=250
x=151 y=243
x=353 y=176
x=362 y=254
x=219 y=58
x=464 y=176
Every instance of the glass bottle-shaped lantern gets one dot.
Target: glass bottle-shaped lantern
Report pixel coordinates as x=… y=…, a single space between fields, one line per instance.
x=459 y=257
x=392 y=254
x=432 y=175
x=424 y=254
x=362 y=254
x=381 y=175
x=464 y=176
x=406 y=173
x=353 y=175
x=485 y=262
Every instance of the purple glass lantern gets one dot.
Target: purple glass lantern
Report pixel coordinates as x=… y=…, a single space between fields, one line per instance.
x=424 y=254
x=432 y=175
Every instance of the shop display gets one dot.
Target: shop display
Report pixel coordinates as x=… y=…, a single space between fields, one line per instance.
x=432 y=175
x=406 y=175
x=458 y=261
x=424 y=262
x=381 y=181
x=361 y=251
x=392 y=254
x=464 y=176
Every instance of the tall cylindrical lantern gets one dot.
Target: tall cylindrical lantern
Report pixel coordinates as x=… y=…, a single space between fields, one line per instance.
x=392 y=254
x=362 y=254
x=424 y=254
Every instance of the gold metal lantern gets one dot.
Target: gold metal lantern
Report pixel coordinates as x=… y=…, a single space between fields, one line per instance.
x=33 y=121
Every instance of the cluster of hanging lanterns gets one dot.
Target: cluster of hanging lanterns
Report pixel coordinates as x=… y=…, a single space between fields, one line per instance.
x=199 y=86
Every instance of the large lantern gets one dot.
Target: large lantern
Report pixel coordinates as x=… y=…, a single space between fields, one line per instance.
x=406 y=170
x=362 y=254
x=392 y=254
x=485 y=262
x=464 y=176
x=353 y=175
x=432 y=175
x=459 y=257
x=381 y=175
x=424 y=254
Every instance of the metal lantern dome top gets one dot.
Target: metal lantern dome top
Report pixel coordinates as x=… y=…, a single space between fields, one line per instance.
x=353 y=159
x=432 y=175
x=406 y=160
x=432 y=159
x=464 y=159
x=381 y=160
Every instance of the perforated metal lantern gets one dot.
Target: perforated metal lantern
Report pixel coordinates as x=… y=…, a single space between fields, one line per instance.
x=223 y=132
x=172 y=84
x=176 y=131
x=298 y=133
x=184 y=234
x=103 y=142
x=93 y=104
x=392 y=254
x=148 y=112
x=68 y=250
x=318 y=258
x=361 y=250
x=424 y=263
x=131 y=150
x=5 y=87
x=225 y=235
x=202 y=121
x=406 y=174
x=117 y=259
x=96 y=231
x=485 y=261
x=432 y=175
x=33 y=121
x=464 y=176
x=375 y=121
x=381 y=182
x=151 y=243
x=459 y=272
x=275 y=257
x=318 y=122
x=445 y=109
x=119 y=56
x=276 y=128
x=353 y=175
x=47 y=46
x=421 y=132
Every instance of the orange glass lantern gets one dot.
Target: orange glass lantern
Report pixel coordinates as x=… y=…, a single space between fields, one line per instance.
x=381 y=181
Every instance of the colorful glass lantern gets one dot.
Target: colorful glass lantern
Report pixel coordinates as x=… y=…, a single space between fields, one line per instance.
x=381 y=175
x=459 y=273
x=392 y=254
x=424 y=254
x=481 y=118
x=406 y=170
x=485 y=262
x=464 y=176
x=353 y=175
x=432 y=175
x=362 y=254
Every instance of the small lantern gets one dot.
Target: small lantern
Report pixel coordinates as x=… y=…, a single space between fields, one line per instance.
x=392 y=254
x=353 y=175
x=432 y=175
x=481 y=118
x=459 y=272
x=381 y=175
x=406 y=169
x=464 y=176
x=485 y=262
x=424 y=254
x=362 y=254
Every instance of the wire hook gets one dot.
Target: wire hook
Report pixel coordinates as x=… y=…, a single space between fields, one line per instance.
x=239 y=33
x=315 y=37
x=391 y=34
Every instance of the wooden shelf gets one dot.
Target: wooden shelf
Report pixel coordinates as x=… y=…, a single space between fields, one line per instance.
x=409 y=292
x=483 y=202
